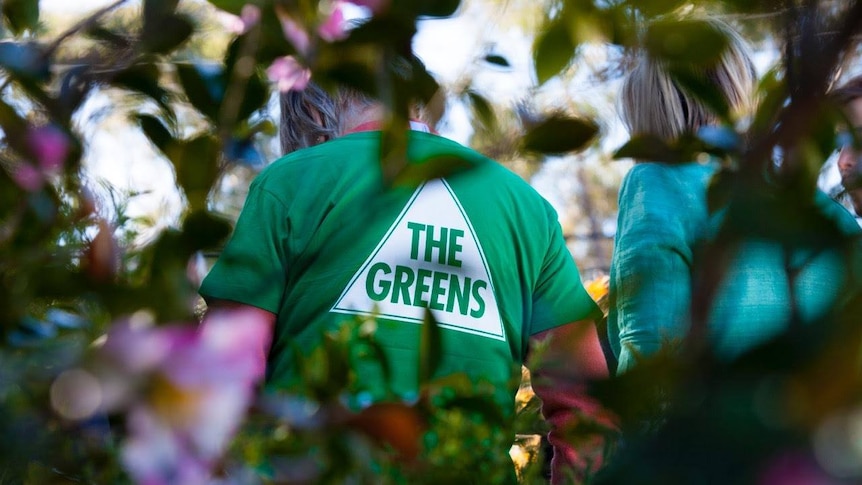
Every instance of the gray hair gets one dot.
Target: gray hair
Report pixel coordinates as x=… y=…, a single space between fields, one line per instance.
x=652 y=103
x=308 y=117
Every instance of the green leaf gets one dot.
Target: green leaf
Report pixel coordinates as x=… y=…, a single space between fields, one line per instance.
x=155 y=130
x=204 y=86
x=108 y=36
x=144 y=79
x=413 y=174
x=652 y=8
x=204 y=230
x=255 y=97
x=646 y=148
x=21 y=15
x=436 y=8
x=154 y=10
x=496 y=60
x=553 y=51
x=196 y=164
x=430 y=348
x=720 y=190
x=166 y=34
x=687 y=42
x=558 y=135
x=483 y=110
x=702 y=88
x=723 y=138
x=232 y=6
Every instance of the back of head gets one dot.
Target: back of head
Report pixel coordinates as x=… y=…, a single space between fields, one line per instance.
x=653 y=103
x=308 y=117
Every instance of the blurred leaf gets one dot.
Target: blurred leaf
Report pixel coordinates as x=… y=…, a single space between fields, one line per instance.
x=720 y=190
x=392 y=424
x=496 y=60
x=24 y=60
x=773 y=95
x=232 y=6
x=166 y=34
x=413 y=174
x=483 y=110
x=73 y=89
x=243 y=151
x=144 y=79
x=436 y=8
x=195 y=163
x=255 y=97
x=204 y=86
x=694 y=43
x=646 y=148
x=558 y=135
x=698 y=86
x=204 y=230
x=654 y=149
x=155 y=10
x=21 y=15
x=14 y=127
x=430 y=348
x=64 y=319
x=155 y=130
x=652 y=8
x=484 y=406
x=115 y=39
x=724 y=138
x=553 y=51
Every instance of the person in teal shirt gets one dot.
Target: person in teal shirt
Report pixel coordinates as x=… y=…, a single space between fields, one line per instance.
x=663 y=219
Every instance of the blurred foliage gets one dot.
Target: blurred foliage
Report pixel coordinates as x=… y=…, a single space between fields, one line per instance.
x=68 y=270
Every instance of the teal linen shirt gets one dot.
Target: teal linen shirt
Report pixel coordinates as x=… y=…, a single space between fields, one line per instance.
x=662 y=218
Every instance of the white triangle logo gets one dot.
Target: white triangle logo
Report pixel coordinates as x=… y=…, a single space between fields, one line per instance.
x=429 y=258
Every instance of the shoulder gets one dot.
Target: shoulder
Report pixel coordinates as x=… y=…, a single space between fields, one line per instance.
x=669 y=176
x=659 y=185
x=834 y=210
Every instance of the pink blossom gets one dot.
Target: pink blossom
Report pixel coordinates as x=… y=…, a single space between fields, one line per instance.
x=334 y=27
x=28 y=177
x=288 y=74
x=232 y=23
x=50 y=147
x=293 y=32
x=248 y=18
x=187 y=390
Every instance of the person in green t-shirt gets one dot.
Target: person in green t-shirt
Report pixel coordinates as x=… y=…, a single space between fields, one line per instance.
x=322 y=238
x=663 y=219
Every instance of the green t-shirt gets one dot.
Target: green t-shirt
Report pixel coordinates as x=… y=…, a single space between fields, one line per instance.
x=321 y=240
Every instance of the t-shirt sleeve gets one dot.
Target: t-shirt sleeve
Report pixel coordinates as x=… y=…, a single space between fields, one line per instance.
x=651 y=276
x=252 y=269
x=559 y=297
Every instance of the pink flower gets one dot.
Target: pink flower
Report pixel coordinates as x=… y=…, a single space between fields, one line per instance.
x=28 y=177
x=334 y=27
x=185 y=389
x=293 y=32
x=249 y=17
x=288 y=74
x=50 y=146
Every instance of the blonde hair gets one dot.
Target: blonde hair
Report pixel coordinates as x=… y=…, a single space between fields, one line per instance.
x=652 y=103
